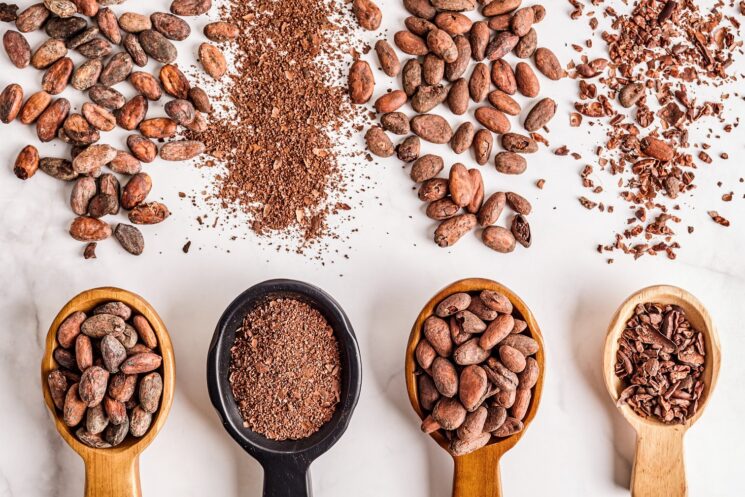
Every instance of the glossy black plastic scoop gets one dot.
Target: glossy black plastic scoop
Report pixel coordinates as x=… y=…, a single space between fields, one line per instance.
x=286 y=464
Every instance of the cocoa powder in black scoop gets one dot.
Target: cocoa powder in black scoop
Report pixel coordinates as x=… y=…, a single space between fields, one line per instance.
x=285 y=370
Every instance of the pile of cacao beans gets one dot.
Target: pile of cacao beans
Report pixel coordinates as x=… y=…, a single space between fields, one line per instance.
x=476 y=370
x=443 y=41
x=142 y=38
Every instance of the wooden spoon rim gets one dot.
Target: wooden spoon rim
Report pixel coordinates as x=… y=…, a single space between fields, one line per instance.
x=473 y=285
x=86 y=301
x=697 y=314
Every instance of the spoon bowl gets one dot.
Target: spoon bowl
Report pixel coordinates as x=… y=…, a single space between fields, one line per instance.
x=659 y=467
x=112 y=472
x=476 y=474
x=286 y=463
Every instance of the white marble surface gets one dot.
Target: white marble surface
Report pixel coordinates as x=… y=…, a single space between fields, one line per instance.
x=577 y=445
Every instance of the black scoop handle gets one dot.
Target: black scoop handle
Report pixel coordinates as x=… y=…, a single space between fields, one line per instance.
x=287 y=478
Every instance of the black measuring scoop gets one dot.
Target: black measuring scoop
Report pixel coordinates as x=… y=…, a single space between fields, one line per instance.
x=286 y=464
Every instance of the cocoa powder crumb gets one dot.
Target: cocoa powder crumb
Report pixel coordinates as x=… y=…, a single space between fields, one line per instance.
x=285 y=370
x=278 y=147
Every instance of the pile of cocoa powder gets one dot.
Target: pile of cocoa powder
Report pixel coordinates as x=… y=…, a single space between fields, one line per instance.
x=282 y=111
x=661 y=53
x=285 y=371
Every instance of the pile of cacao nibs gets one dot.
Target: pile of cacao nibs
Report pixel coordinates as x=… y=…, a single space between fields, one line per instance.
x=660 y=361
x=443 y=41
x=107 y=384
x=285 y=370
x=659 y=55
x=476 y=370
x=282 y=113
x=93 y=30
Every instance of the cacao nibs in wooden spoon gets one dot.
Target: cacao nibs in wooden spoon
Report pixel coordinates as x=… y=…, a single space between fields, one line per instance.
x=659 y=52
x=660 y=361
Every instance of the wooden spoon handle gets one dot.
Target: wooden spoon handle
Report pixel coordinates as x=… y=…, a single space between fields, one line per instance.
x=477 y=475
x=659 y=468
x=115 y=475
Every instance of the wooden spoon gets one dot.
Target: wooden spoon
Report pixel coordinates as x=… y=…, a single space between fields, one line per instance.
x=112 y=472
x=659 y=468
x=477 y=473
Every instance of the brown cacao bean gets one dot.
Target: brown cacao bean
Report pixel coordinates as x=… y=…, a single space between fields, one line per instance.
x=95 y=49
x=74 y=408
x=462 y=138
x=221 y=31
x=159 y=48
x=174 y=82
x=503 y=77
x=499 y=239
x=106 y=97
x=142 y=148
x=92 y=386
x=141 y=363
x=396 y=123
x=150 y=213
x=548 y=64
x=426 y=167
x=433 y=69
x=131 y=240
x=483 y=141
x=527 y=82
x=368 y=14
x=361 y=82
x=26 y=163
x=181 y=150
x=11 y=100
x=34 y=106
x=378 y=142
x=540 y=114
x=98 y=117
x=213 y=61
x=432 y=128
x=32 y=18
x=158 y=127
x=527 y=45
x=515 y=142
x=132 y=113
x=134 y=48
x=108 y=25
x=410 y=43
x=117 y=69
x=492 y=119
x=518 y=203
x=86 y=74
x=51 y=119
x=92 y=158
x=453 y=229
x=190 y=7
x=504 y=103
x=17 y=48
x=70 y=329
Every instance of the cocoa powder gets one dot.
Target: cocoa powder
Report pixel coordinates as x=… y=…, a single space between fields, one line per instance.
x=278 y=339
x=277 y=149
